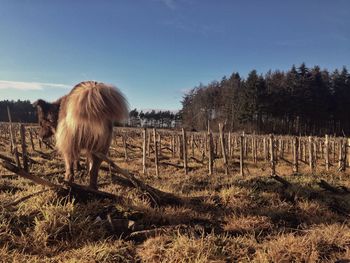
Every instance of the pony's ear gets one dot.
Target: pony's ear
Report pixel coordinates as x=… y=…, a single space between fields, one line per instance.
x=42 y=106
x=39 y=103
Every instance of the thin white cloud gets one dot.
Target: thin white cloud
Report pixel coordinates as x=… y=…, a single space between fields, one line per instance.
x=18 y=85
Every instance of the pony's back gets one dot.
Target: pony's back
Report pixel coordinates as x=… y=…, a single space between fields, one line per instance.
x=86 y=118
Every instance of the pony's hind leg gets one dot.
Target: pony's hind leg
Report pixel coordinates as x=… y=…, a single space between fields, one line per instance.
x=94 y=166
x=77 y=165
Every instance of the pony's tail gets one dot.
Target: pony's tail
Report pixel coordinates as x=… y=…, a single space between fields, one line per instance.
x=92 y=100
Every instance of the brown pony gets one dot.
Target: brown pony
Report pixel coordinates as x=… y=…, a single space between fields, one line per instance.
x=82 y=121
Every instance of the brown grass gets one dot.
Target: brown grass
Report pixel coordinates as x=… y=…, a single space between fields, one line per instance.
x=232 y=219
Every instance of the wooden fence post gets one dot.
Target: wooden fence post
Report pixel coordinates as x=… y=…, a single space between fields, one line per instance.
x=223 y=150
x=31 y=139
x=272 y=156
x=184 y=142
x=266 y=154
x=326 y=152
x=192 y=145
x=144 y=133
x=125 y=146
x=149 y=144
x=348 y=152
x=295 y=155
x=13 y=139
x=173 y=145
x=210 y=153
x=311 y=155
x=342 y=155
x=180 y=146
x=159 y=144
x=241 y=156
x=333 y=149
x=255 y=151
x=24 y=148
x=155 y=151
x=229 y=154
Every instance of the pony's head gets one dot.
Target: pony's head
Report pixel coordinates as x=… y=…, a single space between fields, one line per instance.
x=47 y=117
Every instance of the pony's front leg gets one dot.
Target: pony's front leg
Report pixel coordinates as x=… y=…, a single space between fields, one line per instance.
x=69 y=175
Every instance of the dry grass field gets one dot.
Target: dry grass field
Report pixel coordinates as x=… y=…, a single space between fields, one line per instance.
x=223 y=218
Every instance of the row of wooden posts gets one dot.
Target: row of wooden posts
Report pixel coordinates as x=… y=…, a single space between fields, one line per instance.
x=213 y=146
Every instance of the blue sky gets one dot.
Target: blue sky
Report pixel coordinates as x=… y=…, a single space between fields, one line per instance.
x=155 y=50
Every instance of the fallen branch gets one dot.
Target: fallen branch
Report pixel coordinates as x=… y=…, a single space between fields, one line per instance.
x=48 y=144
x=82 y=192
x=196 y=160
x=172 y=164
x=323 y=184
x=281 y=180
x=15 y=169
x=140 y=236
x=156 y=196
x=16 y=202
x=6 y=158
x=284 y=159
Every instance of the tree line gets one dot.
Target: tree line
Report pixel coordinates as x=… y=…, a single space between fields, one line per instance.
x=153 y=118
x=301 y=100
x=23 y=111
